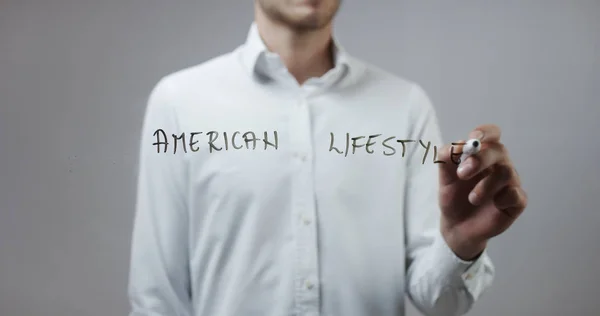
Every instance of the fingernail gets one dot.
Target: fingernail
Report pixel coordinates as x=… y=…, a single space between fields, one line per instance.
x=477 y=134
x=473 y=198
x=464 y=169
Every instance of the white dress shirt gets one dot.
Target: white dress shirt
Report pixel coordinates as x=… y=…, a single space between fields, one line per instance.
x=252 y=211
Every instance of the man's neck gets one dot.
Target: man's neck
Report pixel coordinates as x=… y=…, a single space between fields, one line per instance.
x=305 y=54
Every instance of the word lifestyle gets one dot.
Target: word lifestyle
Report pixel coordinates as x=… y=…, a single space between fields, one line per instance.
x=250 y=140
x=352 y=143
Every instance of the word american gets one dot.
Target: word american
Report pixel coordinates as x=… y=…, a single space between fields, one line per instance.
x=250 y=140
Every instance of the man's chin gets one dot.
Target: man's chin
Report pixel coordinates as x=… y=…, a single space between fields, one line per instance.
x=311 y=22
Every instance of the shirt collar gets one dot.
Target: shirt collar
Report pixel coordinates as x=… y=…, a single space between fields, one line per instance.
x=254 y=51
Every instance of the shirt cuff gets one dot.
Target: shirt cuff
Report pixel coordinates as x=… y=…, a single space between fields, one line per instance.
x=456 y=272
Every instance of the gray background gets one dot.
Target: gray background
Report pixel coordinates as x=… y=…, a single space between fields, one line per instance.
x=75 y=76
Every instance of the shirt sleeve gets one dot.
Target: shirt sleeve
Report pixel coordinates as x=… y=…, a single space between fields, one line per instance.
x=159 y=282
x=438 y=282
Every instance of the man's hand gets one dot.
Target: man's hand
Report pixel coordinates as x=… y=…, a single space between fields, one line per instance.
x=481 y=197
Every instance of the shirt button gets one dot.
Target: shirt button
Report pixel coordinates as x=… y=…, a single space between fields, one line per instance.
x=300 y=156
x=306 y=221
x=309 y=285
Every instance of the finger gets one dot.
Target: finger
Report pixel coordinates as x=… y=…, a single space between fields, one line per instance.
x=511 y=200
x=490 y=154
x=489 y=133
x=450 y=155
x=490 y=185
x=515 y=179
x=454 y=193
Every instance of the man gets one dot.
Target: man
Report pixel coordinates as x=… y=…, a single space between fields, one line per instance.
x=298 y=180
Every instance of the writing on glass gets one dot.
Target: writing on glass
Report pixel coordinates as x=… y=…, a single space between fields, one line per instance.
x=249 y=140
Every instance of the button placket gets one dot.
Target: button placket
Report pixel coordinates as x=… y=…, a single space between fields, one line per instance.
x=304 y=208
